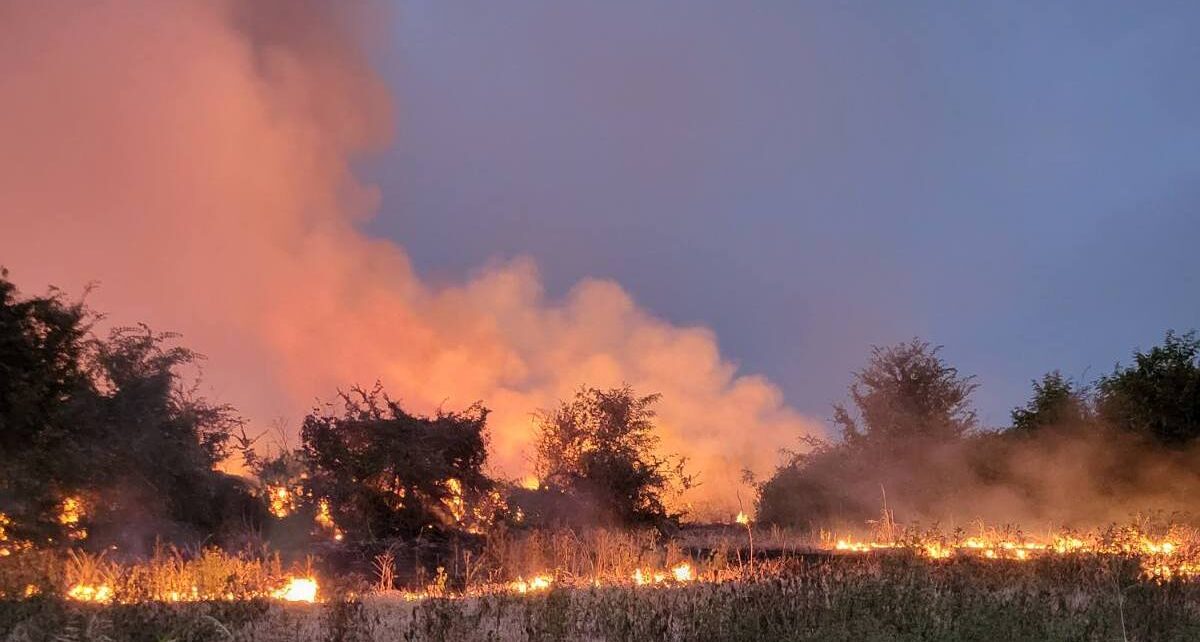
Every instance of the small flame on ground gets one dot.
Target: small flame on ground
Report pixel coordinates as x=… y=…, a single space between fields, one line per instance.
x=298 y=589
x=683 y=572
x=90 y=593
x=534 y=584
x=742 y=518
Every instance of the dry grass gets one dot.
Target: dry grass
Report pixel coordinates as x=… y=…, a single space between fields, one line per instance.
x=789 y=592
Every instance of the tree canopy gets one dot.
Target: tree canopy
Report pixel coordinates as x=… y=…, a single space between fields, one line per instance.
x=104 y=439
x=1158 y=395
x=1056 y=402
x=907 y=393
x=601 y=449
x=386 y=473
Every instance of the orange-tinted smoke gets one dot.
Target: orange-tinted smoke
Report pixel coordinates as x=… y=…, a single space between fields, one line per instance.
x=194 y=159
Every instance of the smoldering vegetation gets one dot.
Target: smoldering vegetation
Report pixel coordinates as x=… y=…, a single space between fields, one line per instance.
x=875 y=599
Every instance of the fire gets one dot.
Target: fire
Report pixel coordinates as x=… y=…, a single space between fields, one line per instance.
x=531 y=482
x=1160 y=555
x=455 y=501
x=683 y=572
x=535 y=584
x=70 y=513
x=742 y=518
x=6 y=546
x=298 y=589
x=281 y=501
x=324 y=519
x=90 y=593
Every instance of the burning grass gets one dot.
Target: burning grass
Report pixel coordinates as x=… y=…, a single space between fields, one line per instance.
x=980 y=583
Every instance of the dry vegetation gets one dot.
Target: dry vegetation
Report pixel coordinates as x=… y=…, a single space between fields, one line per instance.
x=1109 y=587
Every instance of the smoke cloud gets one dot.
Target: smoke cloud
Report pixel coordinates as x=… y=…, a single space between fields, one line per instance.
x=194 y=158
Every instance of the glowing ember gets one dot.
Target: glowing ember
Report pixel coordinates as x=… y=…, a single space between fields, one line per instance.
x=298 y=589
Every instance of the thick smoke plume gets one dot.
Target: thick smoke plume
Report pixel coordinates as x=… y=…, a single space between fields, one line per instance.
x=194 y=158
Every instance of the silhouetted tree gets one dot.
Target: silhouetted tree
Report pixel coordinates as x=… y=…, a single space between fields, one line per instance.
x=1158 y=396
x=110 y=422
x=911 y=412
x=47 y=400
x=1056 y=403
x=600 y=449
x=387 y=473
x=907 y=393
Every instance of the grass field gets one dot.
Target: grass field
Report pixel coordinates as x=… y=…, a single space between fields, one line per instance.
x=882 y=596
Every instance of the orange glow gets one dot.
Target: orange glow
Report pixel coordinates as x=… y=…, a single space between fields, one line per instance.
x=536 y=583
x=90 y=593
x=298 y=589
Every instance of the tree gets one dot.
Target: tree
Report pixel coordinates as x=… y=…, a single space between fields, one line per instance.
x=108 y=428
x=157 y=445
x=600 y=449
x=387 y=473
x=912 y=413
x=1158 y=396
x=46 y=393
x=907 y=393
x=1055 y=403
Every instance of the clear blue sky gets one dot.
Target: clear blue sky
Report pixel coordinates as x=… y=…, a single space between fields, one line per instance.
x=1019 y=181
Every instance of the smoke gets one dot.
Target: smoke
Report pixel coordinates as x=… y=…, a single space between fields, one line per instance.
x=194 y=158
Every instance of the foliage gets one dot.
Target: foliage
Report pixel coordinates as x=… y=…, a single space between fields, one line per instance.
x=907 y=394
x=601 y=450
x=912 y=410
x=1056 y=403
x=1158 y=396
x=388 y=473
x=109 y=422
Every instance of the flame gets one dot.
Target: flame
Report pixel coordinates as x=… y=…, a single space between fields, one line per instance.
x=742 y=518
x=993 y=545
x=90 y=593
x=298 y=589
x=281 y=501
x=535 y=584
x=324 y=519
x=531 y=482
x=455 y=501
x=683 y=572
x=70 y=513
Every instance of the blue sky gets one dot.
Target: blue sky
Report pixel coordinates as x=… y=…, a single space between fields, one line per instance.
x=1016 y=181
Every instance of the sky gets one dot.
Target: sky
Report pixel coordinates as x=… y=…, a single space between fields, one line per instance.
x=1015 y=181
x=724 y=203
